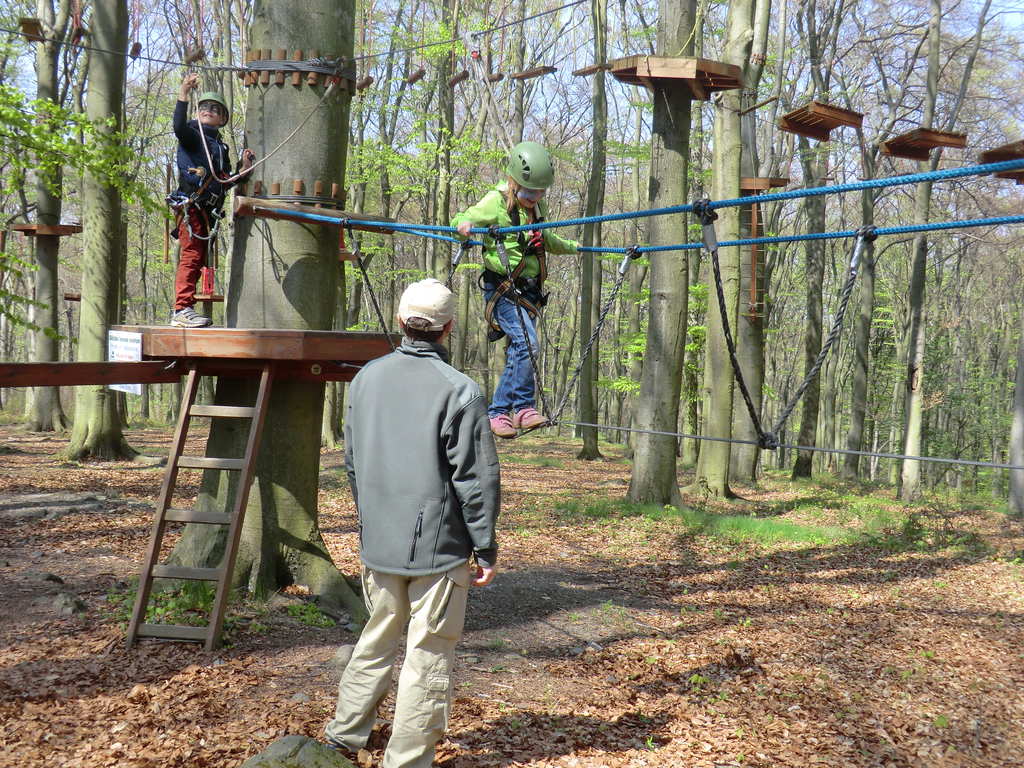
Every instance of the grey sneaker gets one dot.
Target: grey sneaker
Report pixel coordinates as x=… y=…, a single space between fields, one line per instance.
x=189 y=318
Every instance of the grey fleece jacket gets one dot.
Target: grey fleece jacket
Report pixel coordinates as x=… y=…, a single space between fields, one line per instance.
x=422 y=463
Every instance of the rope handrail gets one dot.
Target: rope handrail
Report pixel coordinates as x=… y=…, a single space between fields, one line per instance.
x=794 y=194
x=788 y=446
x=845 y=233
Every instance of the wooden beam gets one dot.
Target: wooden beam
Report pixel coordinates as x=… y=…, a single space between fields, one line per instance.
x=76 y=374
x=245 y=206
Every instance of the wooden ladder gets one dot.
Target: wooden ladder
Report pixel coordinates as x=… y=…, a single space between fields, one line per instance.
x=151 y=569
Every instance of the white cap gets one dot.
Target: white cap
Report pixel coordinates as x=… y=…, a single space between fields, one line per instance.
x=430 y=300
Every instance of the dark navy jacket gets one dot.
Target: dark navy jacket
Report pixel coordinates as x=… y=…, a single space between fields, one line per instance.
x=191 y=155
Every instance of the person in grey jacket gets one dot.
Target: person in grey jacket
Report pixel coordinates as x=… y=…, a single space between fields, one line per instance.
x=424 y=473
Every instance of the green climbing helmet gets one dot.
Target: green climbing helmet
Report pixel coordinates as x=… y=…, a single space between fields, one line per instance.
x=216 y=97
x=530 y=165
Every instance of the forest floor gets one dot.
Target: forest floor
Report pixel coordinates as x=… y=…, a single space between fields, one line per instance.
x=818 y=624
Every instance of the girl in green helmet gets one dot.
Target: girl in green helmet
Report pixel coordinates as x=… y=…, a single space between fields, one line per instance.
x=516 y=201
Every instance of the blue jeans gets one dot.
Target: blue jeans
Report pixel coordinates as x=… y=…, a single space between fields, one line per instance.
x=515 y=390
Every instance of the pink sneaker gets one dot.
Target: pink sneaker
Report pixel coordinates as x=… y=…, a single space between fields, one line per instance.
x=501 y=426
x=528 y=418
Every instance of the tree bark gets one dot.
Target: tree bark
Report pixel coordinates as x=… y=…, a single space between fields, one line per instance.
x=913 y=408
x=284 y=275
x=1016 y=452
x=654 y=463
x=712 y=477
x=97 y=432
x=47 y=414
x=590 y=294
x=814 y=171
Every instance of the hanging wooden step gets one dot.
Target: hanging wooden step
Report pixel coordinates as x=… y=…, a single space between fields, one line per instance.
x=816 y=120
x=761 y=183
x=458 y=77
x=526 y=74
x=416 y=76
x=593 y=69
x=164 y=514
x=1012 y=151
x=701 y=76
x=918 y=143
x=31 y=27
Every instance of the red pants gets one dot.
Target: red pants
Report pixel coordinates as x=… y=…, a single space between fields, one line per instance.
x=192 y=258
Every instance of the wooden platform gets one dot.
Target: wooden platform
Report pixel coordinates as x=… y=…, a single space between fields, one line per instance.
x=701 y=76
x=816 y=120
x=1012 y=151
x=306 y=355
x=761 y=183
x=57 y=230
x=165 y=342
x=918 y=143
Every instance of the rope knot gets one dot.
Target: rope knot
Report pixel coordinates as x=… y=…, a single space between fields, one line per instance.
x=868 y=232
x=493 y=232
x=704 y=211
x=768 y=440
x=634 y=252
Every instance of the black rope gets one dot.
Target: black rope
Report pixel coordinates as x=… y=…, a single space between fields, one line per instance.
x=631 y=253
x=840 y=451
x=499 y=241
x=702 y=208
x=868 y=234
x=358 y=254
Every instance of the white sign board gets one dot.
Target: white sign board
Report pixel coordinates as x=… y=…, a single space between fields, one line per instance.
x=124 y=347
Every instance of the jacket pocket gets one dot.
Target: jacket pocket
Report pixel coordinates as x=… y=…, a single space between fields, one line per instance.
x=416 y=534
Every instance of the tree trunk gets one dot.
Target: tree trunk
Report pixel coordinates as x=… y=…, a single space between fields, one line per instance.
x=712 y=477
x=861 y=344
x=47 y=414
x=97 y=433
x=910 y=477
x=1016 y=452
x=657 y=408
x=590 y=294
x=814 y=172
x=284 y=275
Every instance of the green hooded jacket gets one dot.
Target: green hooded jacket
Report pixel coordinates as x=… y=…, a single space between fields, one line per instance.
x=491 y=211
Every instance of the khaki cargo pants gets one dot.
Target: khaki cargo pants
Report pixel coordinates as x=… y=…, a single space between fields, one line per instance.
x=435 y=608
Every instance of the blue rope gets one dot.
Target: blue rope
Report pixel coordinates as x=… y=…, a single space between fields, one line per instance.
x=794 y=194
x=891 y=181
x=907 y=229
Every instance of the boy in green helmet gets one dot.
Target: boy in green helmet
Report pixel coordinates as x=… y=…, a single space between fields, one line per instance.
x=519 y=200
x=203 y=167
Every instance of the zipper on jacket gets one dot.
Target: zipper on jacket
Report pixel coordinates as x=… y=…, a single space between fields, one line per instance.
x=415 y=536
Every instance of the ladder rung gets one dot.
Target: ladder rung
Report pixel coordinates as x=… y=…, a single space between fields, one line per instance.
x=227 y=411
x=196 y=516
x=172 y=631
x=204 y=462
x=180 y=572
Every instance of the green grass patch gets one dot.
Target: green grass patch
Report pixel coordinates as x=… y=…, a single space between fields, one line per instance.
x=728 y=527
x=310 y=613
x=536 y=461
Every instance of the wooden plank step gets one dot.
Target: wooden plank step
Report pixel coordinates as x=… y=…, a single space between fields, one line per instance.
x=173 y=632
x=196 y=516
x=181 y=572
x=225 y=411
x=205 y=462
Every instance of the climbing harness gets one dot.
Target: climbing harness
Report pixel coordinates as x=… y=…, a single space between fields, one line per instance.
x=765 y=439
x=357 y=254
x=512 y=285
